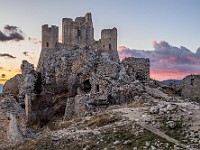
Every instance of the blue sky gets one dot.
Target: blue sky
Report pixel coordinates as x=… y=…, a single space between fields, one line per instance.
x=139 y=22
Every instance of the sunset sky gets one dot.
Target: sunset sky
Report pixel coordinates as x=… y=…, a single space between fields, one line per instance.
x=166 y=31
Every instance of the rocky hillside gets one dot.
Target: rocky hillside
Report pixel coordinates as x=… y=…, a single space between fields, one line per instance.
x=83 y=99
x=154 y=120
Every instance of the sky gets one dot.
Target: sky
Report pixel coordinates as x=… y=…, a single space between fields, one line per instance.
x=166 y=31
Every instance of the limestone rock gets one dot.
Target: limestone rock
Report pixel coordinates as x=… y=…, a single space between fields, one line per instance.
x=12 y=121
x=12 y=86
x=171 y=124
x=171 y=107
x=27 y=68
x=154 y=110
x=22 y=83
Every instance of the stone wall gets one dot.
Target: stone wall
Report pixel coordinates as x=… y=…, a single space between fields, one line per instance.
x=191 y=87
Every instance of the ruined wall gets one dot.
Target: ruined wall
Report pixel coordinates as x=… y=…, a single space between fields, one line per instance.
x=191 y=87
x=137 y=68
x=78 y=33
x=109 y=39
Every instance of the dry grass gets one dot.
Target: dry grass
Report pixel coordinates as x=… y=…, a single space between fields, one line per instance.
x=59 y=125
x=135 y=104
x=102 y=119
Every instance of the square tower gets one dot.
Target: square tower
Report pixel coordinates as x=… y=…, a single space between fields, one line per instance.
x=78 y=33
x=109 y=39
x=49 y=36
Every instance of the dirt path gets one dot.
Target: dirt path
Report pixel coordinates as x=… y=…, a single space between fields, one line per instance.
x=138 y=115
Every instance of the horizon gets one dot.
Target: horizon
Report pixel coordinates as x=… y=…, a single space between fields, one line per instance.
x=145 y=29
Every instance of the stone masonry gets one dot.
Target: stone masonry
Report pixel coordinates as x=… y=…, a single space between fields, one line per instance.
x=191 y=87
x=78 y=33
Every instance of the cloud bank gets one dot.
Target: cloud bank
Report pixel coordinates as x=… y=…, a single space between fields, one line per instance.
x=167 y=61
x=11 y=33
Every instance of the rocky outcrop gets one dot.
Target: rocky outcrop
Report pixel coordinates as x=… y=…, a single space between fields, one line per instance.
x=12 y=86
x=12 y=121
x=137 y=68
x=91 y=79
x=22 y=84
x=66 y=70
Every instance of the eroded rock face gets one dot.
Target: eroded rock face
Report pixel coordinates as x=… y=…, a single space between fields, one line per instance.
x=66 y=70
x=91 y=79
x=22 y=84
x=12 y=121
x=12 y=86
x=27 y=68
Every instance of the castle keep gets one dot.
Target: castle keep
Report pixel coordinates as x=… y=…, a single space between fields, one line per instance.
x=78 y=45
x=78 y=34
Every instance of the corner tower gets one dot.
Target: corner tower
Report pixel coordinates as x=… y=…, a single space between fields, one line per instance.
x=49 y=36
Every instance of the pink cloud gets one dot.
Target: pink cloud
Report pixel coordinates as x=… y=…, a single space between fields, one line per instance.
x=166 y=61
x=121 y=48
x=171 y=60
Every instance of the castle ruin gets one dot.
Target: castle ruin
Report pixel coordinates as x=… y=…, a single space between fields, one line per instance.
x=83 y=72
x=77 y=34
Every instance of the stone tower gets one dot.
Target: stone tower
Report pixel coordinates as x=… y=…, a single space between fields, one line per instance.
x=49 y=36
x=78 y=33
x=49 y=43
x=109 y=39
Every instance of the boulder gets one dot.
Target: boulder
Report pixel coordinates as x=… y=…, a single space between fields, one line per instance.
x=12 y=121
